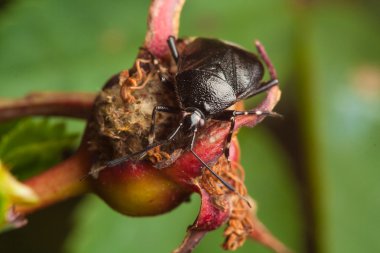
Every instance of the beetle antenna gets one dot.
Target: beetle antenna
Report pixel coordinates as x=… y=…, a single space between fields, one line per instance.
x=225 y=183
x=173 y=48
x=120 y=160
x=141 y=154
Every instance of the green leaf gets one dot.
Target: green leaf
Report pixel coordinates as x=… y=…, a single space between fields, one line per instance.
x=28 y=147
x=31 y=146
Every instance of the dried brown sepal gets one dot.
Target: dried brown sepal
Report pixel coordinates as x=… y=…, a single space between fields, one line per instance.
x=156 y=155
x=135 y=81
x=240 y=220
x=214 y=211
x=218 y=201
x=120 y=124
x=239 y=224
x=243 y=222
x=215 y=201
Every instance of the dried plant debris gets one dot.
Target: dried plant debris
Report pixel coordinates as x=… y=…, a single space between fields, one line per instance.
x=240 y=223
x=123 y=111
x=121 y=123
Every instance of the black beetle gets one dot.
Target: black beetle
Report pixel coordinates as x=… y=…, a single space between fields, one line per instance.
x=212 y=75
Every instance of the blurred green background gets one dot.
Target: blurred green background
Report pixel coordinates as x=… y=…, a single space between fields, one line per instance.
x=315 y=174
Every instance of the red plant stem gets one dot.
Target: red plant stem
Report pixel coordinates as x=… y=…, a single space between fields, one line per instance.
x=75 y=105
x=192 y=239
x=265 y=57
x=61 y=182
x=163 y=21
x=262 y=235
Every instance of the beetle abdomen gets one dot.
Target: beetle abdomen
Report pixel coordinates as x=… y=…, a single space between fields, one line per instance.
x=204 y=90
x=213 y=75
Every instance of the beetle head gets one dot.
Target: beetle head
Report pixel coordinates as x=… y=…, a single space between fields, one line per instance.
x=192 y=119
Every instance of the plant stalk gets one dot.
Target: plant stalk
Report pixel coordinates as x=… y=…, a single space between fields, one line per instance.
x=61 y=182
x=74 y=105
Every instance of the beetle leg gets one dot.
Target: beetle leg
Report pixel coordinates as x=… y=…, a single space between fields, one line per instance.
x=95 y=171
x=258 y=113
x=140 y=154
x=229 y=115
x=225 y=183
x=226 y=148
x=158 y=108
x=263 y=87
x=173 y=48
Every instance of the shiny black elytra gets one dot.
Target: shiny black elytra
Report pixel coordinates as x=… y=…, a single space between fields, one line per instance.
x=211 y=76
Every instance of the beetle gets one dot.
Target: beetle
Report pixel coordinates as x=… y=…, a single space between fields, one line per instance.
x=211 y=76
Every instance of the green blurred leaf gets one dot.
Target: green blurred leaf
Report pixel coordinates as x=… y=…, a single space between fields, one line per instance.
x=31 y=146
x=67 y=45
x=100 y=229
x=346 y=49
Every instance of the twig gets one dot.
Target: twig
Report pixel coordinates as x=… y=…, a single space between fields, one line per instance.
x=74 y=105
x=163 y=20
x=193 y=237
x=268 y=62
x=60 y=182
x=262 y=235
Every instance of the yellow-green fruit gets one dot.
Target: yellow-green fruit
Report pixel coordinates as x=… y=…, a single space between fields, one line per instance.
x=138 y=190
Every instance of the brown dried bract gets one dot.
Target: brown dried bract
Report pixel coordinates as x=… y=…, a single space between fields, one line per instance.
x=136 y=81
x=156 y=155
x=121 y=121
x=240 y=223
